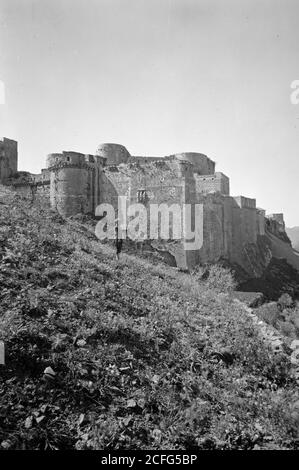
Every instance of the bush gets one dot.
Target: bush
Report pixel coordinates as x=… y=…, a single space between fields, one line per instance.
x=287 y=329
x=285 y=301
x=269 y=313
x=216 y=277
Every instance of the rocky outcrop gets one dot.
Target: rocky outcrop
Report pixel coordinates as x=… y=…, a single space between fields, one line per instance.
x=293 y=234
x=273 y=262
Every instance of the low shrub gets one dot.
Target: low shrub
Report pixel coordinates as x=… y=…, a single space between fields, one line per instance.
x=216 y=277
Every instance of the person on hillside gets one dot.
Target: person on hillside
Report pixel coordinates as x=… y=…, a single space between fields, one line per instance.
x=118 y=241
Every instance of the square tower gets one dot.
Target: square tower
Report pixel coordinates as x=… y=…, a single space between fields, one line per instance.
x=8 y=158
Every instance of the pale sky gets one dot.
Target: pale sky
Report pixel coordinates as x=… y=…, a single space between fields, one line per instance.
x=160 y=77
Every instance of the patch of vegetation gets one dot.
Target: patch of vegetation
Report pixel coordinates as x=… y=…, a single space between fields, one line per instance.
x=216 y=277
x=144 y=356
x=282 y=315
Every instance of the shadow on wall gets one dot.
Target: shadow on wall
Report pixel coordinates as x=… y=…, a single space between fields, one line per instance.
x=107 y=192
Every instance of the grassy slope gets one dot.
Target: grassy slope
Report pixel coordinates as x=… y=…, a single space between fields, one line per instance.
x=132 y=345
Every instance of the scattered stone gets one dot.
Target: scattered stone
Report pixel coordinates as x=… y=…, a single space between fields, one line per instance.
x=49 y=373
x=40 y=419
x=81 y=419
x=6 y=445
x=251 y=299
x=258 y=427
x=131 y=403
x=44 y=408
x=28 y=422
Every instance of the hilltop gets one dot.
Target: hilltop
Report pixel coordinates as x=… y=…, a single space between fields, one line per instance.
x=145 y=356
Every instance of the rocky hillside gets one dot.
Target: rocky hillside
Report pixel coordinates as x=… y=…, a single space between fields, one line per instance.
x=293 y=234
x=136 y=355
x=274 y=263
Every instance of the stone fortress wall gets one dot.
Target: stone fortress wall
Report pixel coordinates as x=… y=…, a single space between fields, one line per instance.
x=78 y=183
x=8 y=158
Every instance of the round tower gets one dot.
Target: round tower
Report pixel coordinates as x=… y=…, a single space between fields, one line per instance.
x=203 y=164
x=70 y=183
x=113 y=153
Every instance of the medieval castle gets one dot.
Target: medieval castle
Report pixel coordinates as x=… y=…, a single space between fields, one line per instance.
x=234 y=229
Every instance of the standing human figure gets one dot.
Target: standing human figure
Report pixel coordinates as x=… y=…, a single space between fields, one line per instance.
x=118 y=242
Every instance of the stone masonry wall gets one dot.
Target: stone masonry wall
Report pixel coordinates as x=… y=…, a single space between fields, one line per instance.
x=8 y=158
x=212 y=183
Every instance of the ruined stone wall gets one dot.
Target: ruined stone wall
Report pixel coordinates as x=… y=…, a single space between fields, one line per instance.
x=212 y=183
x=43 y=190
x=233 y=228
x=277 y=217
x=69 y=190
x=230 y=232
x=154 y=182
x=248 y=216
x=201 y=163
x=275 y=224
x=260 y=221
x=143 y=159
x=230 y=225
x=72 y=183
x=114 y=181
x=160 y=180
x=113 y=153
x=32 y=190
x=8 y=158
x=217 y=227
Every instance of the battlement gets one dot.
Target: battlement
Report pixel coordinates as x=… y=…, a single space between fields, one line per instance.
x=73 y=159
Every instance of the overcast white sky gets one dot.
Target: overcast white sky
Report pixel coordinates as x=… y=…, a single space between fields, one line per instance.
x=160 y=77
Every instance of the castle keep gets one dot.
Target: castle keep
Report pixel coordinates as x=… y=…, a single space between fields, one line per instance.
x=234 y=229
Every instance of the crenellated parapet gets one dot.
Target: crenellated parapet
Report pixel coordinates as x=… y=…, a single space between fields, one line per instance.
x=73 y=160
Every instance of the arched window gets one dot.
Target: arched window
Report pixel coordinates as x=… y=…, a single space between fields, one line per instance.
x=142 y=196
